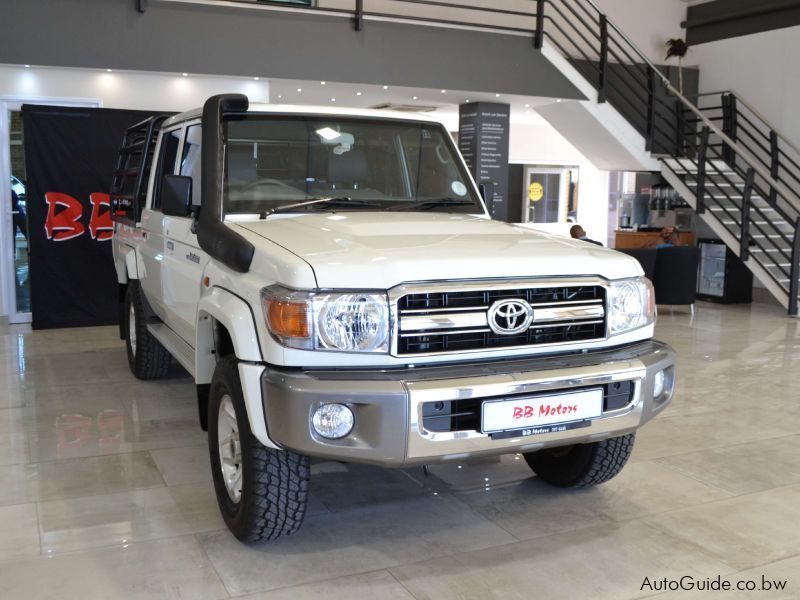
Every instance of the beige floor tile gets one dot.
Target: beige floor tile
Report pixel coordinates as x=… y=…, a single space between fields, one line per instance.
x=352 y=542
x=116 y=519
x=744 y=531
x=19 y=532
x=776 y=581
x=13 y=437
x=110 y=431
x=162 y=569
x=378 y=585
x=744 y=468
x=197 y=503
x=77 y=477
x=606 y=562
x=183 y=465
x=675 y=433
x=533 y=508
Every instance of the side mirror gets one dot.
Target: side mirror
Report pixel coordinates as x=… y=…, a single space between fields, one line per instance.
x=176 y=195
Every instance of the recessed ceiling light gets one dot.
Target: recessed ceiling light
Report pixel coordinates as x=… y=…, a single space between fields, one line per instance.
x=467 y=100
x=497 y=95
x=333 y=99
x=444 y=91
x=358 y=93
x=109 y=70
x=185 y=74
x=256 y=78
x=414 y=98
x=559 y=100
x=280 y=97
x=27 y=66
x=299 y=89
x=322 y=82
x=527 y=106
x=386 y=87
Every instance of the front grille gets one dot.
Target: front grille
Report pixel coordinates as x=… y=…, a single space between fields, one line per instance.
x=465 y=415
x=444 y=321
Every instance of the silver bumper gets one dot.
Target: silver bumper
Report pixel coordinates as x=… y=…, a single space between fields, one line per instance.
x=388 y=404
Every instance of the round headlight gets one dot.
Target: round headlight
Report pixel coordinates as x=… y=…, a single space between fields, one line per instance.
x=333 y=421
x=354 y=322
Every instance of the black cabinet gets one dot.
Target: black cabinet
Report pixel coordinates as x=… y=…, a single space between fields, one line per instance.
x=722 y=277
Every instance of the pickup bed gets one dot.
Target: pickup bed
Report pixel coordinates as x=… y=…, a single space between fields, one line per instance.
x=332 y=281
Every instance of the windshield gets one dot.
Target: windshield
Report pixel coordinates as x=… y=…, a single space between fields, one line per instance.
x=364 y=164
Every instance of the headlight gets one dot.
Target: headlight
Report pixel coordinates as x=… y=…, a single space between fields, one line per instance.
x=631 y=304
x=348 y=322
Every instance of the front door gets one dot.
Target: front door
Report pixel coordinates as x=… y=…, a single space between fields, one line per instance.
x=184 y=261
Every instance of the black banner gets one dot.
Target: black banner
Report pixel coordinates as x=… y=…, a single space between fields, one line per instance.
x=483 y=138
x=70 y=155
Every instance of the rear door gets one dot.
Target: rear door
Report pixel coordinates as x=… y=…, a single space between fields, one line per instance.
x=154 y=245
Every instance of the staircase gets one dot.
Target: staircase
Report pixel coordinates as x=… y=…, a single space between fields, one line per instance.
x=737 y=171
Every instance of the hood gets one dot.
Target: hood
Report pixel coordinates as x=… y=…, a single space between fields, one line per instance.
x=379 y=250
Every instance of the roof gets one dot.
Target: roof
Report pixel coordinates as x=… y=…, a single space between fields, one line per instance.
x=314 y=110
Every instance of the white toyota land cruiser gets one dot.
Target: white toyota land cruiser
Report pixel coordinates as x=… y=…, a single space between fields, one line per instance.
x=332 y=281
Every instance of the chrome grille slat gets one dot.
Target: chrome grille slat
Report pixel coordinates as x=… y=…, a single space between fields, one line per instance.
x=445 y=320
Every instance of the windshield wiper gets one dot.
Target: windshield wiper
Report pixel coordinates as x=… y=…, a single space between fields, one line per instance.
x=431 y=203
x=313 y=201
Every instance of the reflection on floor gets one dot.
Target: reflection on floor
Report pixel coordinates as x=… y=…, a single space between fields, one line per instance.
x=106 y=490
x=22 y=281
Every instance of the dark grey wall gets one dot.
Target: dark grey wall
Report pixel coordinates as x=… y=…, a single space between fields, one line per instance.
x=724 y=19
x=244 y=42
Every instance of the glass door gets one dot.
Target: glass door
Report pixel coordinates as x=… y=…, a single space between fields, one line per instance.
x=550 y=194
x=21 y=301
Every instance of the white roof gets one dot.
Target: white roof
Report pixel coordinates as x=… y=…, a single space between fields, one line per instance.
x=315 y=110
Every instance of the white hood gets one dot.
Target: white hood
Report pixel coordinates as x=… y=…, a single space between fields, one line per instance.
x=378 y=250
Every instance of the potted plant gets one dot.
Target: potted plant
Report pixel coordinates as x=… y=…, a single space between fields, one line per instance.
x=677 y=47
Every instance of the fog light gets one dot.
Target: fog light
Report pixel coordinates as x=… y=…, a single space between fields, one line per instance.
x=333 y=421
x=658 y=384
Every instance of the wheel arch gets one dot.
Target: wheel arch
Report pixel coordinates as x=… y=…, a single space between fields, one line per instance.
x=226 y=326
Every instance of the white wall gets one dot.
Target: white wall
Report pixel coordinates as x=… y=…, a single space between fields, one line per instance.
x=762 y=68
x=543 y=145
x=133 y=90
x=648 y=23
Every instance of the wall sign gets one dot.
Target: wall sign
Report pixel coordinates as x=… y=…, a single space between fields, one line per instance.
x=483 y=140
x=70 y=154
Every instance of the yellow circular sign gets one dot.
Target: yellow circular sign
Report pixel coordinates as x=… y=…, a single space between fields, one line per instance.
x=535 y=191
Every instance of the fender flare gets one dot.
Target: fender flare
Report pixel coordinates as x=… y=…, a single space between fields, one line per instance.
x=235 y=315
x=126 y=264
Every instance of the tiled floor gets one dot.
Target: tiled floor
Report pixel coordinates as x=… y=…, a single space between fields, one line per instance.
x=105 y=490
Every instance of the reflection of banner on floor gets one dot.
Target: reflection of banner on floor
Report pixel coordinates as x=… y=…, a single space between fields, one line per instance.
x=70 y=155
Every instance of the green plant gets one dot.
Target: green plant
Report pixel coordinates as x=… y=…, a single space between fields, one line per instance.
x=678 y=48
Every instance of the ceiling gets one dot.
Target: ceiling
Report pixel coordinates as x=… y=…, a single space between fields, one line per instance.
x=444 y=102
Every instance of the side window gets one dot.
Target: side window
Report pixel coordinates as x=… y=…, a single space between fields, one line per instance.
x=166 y=163
x=190 y=161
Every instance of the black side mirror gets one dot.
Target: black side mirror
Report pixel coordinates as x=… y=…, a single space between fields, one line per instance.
x=176 y=195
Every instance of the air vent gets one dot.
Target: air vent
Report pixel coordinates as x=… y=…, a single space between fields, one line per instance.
x=405 y=107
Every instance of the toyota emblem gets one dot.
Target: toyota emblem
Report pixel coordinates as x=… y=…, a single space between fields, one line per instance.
x=509 y=317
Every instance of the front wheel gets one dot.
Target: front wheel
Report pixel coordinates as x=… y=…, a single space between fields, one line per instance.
x=582 y=465
x=262 y=492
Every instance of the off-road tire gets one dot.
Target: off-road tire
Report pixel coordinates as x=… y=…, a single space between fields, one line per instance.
x=150 y=360
x=582 y=465
x=274 y=491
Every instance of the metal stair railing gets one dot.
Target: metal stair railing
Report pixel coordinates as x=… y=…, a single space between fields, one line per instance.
x=676 y=128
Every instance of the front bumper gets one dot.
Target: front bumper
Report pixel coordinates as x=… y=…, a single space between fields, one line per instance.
x=388 y=404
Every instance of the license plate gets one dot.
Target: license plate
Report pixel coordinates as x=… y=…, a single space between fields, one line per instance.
x=536 y=411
